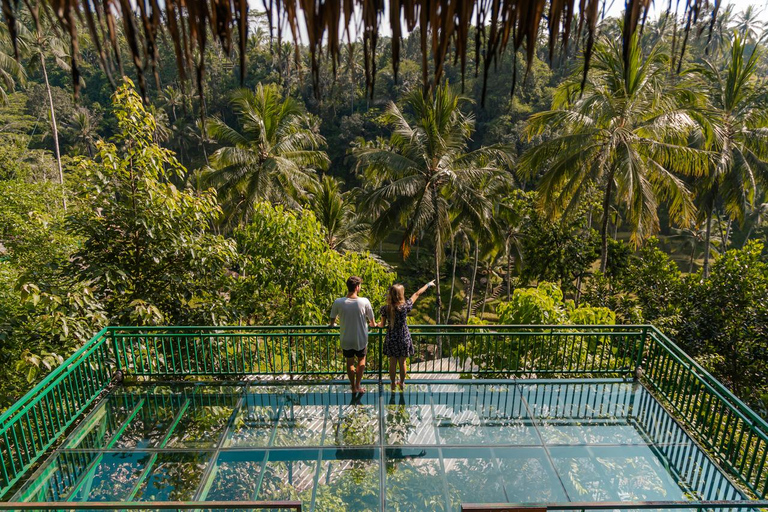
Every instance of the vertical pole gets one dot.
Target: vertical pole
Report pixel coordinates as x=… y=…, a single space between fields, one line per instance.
x=110 y=334
x=381 y=356
x=640 y=351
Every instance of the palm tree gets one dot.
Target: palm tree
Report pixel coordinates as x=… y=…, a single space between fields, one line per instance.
x=43 y=44
x=627 y=134
x=273 y=157
x=460 y=238
x=691 y=237
x=424 y=171
x=173 y=97
x=735 y=122
x=749 y=26
x=11 y=71
x=82 y=128
x=344 y=227
x=508 y=220
x=757 y=217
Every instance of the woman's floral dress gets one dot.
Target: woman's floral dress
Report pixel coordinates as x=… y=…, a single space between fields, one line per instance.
x=397 y=342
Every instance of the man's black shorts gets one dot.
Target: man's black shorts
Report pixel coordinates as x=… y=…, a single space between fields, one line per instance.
x=355 y=353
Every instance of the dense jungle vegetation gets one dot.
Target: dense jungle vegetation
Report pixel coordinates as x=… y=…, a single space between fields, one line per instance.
x=640 y=198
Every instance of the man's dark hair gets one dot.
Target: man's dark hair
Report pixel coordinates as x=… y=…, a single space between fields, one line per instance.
x=352 y=283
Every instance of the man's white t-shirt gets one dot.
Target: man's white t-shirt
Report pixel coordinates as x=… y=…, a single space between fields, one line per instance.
x=353 y=317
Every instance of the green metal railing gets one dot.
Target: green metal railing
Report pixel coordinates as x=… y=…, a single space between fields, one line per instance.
x=699 y=506
x=121 y=506
x=34 y=423
x=732 y=432
x=314 y=350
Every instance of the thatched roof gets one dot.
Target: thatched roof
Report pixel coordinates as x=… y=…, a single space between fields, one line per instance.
x=443 y=24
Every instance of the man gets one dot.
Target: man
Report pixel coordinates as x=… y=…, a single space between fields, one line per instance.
x=354 y=313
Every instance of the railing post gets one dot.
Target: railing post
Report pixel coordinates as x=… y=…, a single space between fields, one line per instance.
x=381 y=355
x=640 y=352
x=113 y=343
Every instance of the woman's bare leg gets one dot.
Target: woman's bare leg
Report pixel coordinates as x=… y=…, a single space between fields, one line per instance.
x=392 y=371
x=401 y=361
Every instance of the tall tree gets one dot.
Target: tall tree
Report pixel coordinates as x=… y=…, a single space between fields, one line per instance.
x=735 y=119
x=425 y=170
x=749 y=25
x=345 y=230
x=44 y=44
x=626 y=133
x=11 y=71
x=272 y=157
x=82 y=128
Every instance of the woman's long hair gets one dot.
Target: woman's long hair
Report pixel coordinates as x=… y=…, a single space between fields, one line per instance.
x=395 y=298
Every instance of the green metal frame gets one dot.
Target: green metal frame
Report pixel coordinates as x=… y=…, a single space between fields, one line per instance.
x=732 y=433
x=314 y=350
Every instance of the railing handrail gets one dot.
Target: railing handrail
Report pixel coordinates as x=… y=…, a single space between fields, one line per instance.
x=58 y=371
x=620 y=505
x=712 y=381
x=151 y=505
x=419 y=326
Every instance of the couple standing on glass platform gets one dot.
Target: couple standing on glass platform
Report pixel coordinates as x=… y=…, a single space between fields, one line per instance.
x=356 y=315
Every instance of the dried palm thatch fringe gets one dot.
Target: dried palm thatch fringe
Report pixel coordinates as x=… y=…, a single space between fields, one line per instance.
x=444 y=24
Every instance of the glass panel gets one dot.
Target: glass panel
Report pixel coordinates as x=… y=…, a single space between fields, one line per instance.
x=473 y=476
x=150 y=425
x=202 y=426
x=700 y=475
x=414 y=480
x=113 y=477
x=57 y=478
x=300 y=425
x=578 y=400
x=528 y=476
x=255 y=421
x=351 y=424
x=349 y=480
x=289 y=475
x=174 y=477
x=483 y=415
x=573 y=432
x=97 y=431
x=236 y=476
x=408 y=419
x=627 y=473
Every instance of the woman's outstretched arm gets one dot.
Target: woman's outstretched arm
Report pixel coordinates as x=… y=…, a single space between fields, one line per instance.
x=421 y=290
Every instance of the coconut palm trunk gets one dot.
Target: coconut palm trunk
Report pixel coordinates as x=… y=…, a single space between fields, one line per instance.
x=707 y=243
x=453 y=278
x=54 y=130
x=472 y=282
x=487 y=289
x=693 y=254
x=437 y=255
x=604 y=223
x=509 y=269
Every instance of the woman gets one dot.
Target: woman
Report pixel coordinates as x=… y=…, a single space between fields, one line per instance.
x=397 y=343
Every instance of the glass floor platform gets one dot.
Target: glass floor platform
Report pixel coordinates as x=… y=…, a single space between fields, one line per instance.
x=432 y=447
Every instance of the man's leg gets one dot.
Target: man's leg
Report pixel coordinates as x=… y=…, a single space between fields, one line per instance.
x=351 y=373
x=359 y=376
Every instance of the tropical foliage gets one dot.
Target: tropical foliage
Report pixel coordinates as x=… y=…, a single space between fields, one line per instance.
x=539 y=207
x=272 y=157
x=626 y=133
x=425 y=171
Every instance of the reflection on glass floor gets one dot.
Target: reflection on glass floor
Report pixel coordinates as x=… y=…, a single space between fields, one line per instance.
x=432 y=447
